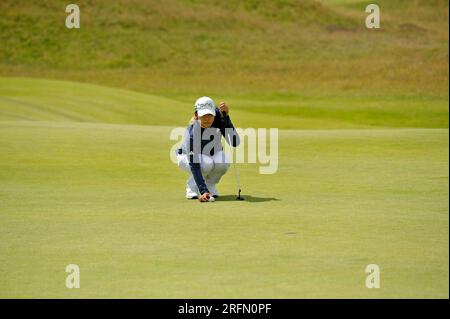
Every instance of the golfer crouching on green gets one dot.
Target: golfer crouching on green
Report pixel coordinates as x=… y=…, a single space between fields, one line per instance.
x=201 y=153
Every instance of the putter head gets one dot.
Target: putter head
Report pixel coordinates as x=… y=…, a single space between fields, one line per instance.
x=239 y=196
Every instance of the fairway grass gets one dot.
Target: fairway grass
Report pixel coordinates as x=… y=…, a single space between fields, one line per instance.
x=50 y=100
x=107 y=198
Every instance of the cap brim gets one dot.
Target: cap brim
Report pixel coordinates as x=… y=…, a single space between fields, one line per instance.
x=204 y=112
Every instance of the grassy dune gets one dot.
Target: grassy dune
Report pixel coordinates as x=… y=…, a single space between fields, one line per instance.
x=231 y=47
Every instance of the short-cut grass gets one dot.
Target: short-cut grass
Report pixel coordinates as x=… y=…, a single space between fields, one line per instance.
x=77 y=188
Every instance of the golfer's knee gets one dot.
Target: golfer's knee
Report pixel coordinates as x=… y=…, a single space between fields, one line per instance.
x=206 y=165
x=221 y=157
x=182 y=163
x=221 y=168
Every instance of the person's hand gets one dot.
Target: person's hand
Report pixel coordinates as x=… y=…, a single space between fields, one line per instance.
x=205 y=197
x=224 y=108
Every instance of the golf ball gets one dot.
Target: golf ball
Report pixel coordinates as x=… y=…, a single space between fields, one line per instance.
x=211 y=199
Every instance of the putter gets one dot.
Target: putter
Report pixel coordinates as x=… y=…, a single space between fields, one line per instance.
x=237 y=177
x=236 y=174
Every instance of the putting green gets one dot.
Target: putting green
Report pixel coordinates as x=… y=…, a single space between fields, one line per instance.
x=107 y=197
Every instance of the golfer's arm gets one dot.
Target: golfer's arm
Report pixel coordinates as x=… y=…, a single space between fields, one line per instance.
x=197 y=173
x=228 y=127
x=193 y=151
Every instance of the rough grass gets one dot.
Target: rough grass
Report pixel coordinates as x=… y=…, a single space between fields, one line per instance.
x=232 y=46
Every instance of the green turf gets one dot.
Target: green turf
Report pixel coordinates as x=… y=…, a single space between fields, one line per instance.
x=85 y=175
x=106 y=197
x=31 y=99
x=233 y=46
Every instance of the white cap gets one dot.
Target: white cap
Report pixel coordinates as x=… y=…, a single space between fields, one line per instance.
x=205 y=105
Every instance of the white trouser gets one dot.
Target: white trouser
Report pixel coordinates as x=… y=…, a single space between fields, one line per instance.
x=212 y=167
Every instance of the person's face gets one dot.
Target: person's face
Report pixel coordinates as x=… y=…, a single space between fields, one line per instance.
x=206 y=120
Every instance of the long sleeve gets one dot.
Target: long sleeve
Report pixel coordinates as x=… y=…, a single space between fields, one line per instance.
x=229 y=132
x=194 y=152
x=198 y=177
